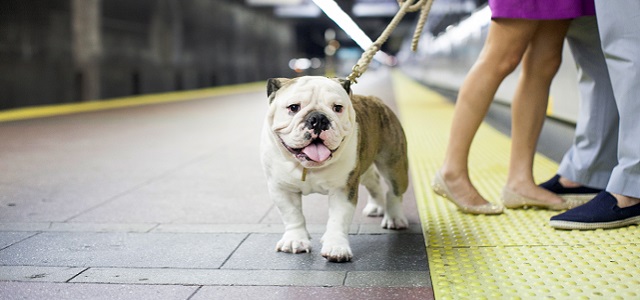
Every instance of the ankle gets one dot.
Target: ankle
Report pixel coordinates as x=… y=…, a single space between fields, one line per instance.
x=625 y=201
x=514 y=182
x=517 y=183
x=568 y=183
x=453 y=174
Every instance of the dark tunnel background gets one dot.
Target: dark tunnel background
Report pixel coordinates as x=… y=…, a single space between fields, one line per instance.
x=61 y=51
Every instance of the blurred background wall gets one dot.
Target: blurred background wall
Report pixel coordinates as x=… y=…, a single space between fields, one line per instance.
x=57 y=51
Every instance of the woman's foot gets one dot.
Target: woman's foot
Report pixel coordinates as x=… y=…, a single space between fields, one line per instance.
x=532 y=191
x=524 y=194
x=460 y=191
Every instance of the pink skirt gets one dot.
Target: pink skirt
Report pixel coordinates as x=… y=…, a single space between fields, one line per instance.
x=541 y=9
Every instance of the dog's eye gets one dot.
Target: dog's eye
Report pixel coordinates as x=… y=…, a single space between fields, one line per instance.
x=337 y=108
x=294 y=108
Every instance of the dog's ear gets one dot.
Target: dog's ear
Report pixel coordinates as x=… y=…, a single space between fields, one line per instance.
x=346 y=84
x=273 y=85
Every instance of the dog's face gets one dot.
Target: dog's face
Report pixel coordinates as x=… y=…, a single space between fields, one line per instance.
x=311 y=116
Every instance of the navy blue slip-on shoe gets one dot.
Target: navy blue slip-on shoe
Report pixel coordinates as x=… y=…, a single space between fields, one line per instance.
x=581 y=194
x=601 y=212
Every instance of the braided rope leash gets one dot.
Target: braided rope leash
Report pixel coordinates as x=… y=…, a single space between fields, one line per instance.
x=405 y=6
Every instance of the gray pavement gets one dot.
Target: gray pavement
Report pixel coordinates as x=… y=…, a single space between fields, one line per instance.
x=169 y=201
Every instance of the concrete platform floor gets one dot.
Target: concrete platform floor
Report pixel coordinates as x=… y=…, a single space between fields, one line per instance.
x=168 y=201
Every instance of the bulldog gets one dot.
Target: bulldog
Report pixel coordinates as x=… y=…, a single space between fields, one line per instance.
x=319 y=138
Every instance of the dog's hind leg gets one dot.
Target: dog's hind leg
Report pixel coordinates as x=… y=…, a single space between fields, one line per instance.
x=375 y=202
x=396 y=177
x=394 y=217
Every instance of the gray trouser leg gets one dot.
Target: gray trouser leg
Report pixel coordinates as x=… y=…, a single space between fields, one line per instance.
x=593 y=154
x=619 y=23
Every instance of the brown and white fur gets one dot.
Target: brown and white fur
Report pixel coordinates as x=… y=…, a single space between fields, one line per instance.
x=319 y=138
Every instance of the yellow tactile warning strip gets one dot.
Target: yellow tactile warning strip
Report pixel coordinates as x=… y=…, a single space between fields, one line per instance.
x=70 y=108
x=515 y=255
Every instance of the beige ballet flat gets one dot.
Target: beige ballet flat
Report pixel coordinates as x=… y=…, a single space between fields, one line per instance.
x=512 y=200
x=440 y=188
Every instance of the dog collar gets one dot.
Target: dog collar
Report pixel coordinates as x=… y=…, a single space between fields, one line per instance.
x=304 y=174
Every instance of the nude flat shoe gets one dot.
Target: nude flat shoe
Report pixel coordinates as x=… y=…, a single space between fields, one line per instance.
x=513 y=200
x=441 y=189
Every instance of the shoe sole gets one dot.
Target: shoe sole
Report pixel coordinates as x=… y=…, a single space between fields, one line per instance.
x=512 y=200
x=590 y=226
x=584 y=198
x=531 y=206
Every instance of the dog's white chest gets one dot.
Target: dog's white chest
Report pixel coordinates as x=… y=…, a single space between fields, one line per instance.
x=323 y=181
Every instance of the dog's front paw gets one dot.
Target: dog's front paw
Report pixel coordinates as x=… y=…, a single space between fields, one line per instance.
x=394 y=222
x=336 y=249
x=373 y=210
x=294 y=243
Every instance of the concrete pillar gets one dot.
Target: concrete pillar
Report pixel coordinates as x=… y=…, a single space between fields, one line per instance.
x=87 y=47
x=225 y=33
x=166 y=32
x=165 y=40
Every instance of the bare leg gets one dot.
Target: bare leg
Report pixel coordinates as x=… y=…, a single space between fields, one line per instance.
x=539 y=65
x=506 y=43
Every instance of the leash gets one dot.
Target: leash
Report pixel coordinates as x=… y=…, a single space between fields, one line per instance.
x=363 y=63
x=405 y=6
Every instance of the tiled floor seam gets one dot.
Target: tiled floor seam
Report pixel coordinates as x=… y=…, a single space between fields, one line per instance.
x=72 y=278
x=187 y=228
x=213 y=277
x=234 y=250
x=19 y=241
x=194 y=293
x=39 y=273
x=144 y=183
x=153 y=228
x=218 y=277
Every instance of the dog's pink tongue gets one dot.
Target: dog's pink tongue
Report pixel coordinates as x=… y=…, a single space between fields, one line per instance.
x=317 y=152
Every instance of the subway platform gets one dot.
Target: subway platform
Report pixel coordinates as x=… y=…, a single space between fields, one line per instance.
x=163 y=197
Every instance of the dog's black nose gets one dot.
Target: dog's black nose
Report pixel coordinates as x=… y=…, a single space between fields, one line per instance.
x=317 y=122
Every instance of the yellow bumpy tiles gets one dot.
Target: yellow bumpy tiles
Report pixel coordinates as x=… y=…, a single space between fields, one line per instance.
x=515 y=255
